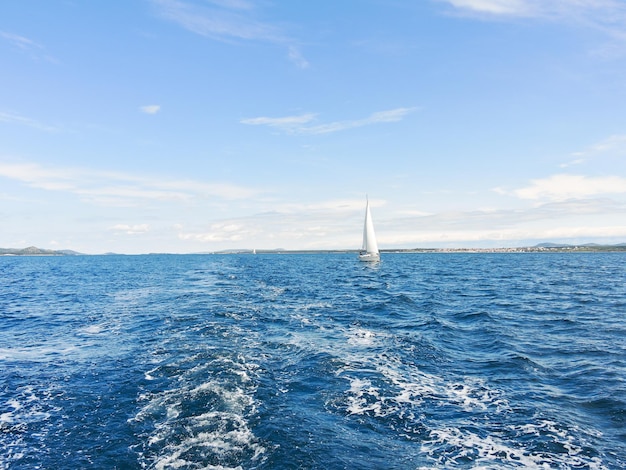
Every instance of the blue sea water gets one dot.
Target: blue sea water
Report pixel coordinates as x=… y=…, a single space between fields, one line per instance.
x=313 y=361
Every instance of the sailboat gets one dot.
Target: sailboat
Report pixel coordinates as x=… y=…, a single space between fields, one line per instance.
x=369 y=252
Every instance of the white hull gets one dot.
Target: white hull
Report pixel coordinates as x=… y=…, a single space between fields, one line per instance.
x=369 y=257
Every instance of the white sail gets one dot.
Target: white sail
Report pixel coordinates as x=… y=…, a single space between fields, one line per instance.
x=370 y=246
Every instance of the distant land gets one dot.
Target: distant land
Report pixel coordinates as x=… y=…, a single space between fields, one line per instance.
x=539 y=248
x=34 y=251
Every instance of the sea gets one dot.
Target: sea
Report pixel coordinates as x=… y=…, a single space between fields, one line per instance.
x=313 y=361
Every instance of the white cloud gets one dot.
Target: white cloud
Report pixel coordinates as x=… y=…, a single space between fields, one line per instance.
x=131 y=229
x=20 y=42
x=233 y=4
x=324 y=224
x=227 y=20
x=150 y=109
x=565 y=186
x=28 y=46
x=275 y=230
x=582 y=219
x=223 y=20
x=333 y=206
x=24 y=121
x=301 y=124
x=575 y=162
x=612 y=145
x=496 y=7
x=36 y=176
x=296 y=57
x=220 y=232
x=336 y=224
x=114 y=188
x=607 y=16
x=512 y=236
x=607 y=10
x=287 y=122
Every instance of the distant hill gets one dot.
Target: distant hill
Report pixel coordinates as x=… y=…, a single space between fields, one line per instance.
x=552 y=245
x=34 y=251
x=69 y=252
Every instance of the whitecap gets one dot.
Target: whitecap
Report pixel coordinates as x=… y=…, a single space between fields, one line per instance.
x=92 y=329
x=461 y=444
x=361 y=337
x=183 y=435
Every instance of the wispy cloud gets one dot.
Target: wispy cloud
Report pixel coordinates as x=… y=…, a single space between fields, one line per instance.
x=285 y=123
x=233 y=4
x=26 y=45
x=228 y=20
x=10 y=118
x=218 y=20
x=303 y=124
x=564 y=186
x=295 y=55
x=574 y=162
x=150 y=109
x=225 y=231
x=494 y=7
x=136 y=229
x=606 y=16
x=20 y=42
x=608 y=11
x=613 y=146
x=119 y=189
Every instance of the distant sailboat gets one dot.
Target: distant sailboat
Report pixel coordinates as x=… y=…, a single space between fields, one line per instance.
x=369 y=252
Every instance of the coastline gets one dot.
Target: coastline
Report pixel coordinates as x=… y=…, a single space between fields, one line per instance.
x=541 y=248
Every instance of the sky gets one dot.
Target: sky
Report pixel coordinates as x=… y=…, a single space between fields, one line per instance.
x=188 y=126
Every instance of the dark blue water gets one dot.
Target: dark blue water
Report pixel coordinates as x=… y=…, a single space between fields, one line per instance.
x=313 y=361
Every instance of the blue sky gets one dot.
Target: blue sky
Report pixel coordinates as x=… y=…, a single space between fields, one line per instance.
x=200 y=125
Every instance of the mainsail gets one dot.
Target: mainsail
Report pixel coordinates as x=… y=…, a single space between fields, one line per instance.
x=370 y=246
